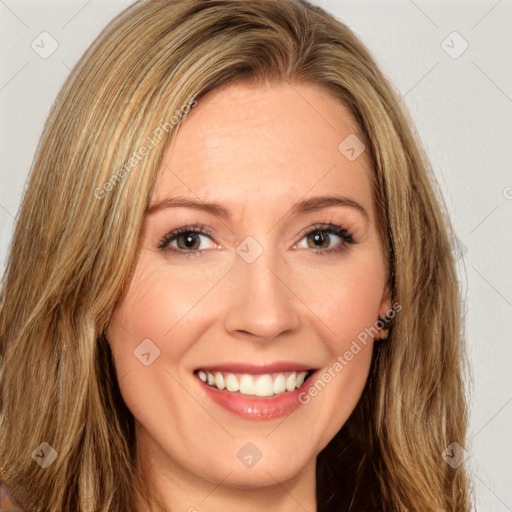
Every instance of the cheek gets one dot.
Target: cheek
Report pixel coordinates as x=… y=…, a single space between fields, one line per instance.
x=146 y=337
x=333 y=395
x=354 y=306
x=347 y=301
x=151 y=330
x=349 y=308
x=156 y=306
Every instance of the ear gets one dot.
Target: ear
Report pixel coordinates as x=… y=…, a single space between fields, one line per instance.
x=385 y=303
x=384 y=308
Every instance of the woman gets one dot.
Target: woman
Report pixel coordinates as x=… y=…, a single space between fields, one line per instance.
x=230 y=285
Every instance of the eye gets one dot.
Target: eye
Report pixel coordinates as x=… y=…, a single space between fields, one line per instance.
x=186 y=240
x=321 y=236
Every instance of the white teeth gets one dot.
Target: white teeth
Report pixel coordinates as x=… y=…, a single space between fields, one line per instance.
x=219 y=380
x=264 y=386
x=300 y=379
x=291 y=381
x=279 y=384
x=247 y=385
x=254 y=385
x=232 y=382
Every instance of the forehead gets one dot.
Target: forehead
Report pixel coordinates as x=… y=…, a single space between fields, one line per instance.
x=251 y=145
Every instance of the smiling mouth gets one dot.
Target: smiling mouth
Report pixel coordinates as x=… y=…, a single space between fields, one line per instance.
x=261 y=385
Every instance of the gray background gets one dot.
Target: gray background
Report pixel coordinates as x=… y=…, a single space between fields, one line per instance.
x=461 y=104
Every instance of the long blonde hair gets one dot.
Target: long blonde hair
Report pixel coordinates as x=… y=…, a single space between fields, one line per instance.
x=77 y=236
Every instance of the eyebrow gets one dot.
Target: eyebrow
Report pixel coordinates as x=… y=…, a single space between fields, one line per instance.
x=305 y=206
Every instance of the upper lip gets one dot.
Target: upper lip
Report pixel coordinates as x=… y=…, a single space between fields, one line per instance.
x=257 y=368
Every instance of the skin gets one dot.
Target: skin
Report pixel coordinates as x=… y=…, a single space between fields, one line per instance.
x=256 y=150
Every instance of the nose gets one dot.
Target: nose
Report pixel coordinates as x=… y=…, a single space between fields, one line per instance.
x=261 y=304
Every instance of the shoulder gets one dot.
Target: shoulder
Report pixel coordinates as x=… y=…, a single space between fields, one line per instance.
x=7 y=503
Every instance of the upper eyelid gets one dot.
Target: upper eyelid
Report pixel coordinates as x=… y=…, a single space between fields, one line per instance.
x=327 y=226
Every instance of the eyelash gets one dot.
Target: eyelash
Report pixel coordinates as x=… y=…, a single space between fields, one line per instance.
x=201 y=229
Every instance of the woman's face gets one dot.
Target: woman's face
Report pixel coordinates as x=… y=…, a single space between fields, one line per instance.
x=277 y=271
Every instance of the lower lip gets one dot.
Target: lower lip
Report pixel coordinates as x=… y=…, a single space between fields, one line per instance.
x=253 y=408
